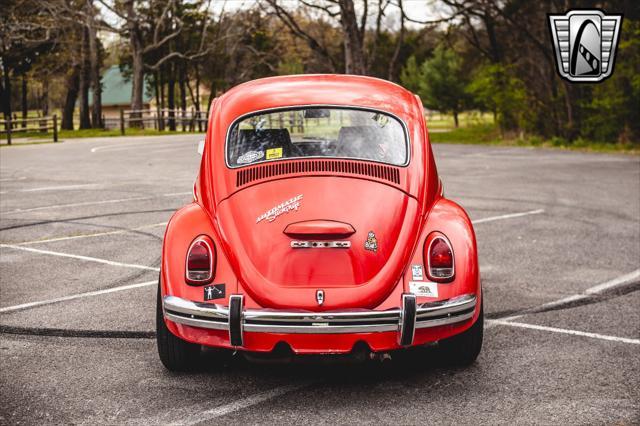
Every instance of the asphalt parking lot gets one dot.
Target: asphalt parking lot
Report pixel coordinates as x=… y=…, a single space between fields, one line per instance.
x=81 y=227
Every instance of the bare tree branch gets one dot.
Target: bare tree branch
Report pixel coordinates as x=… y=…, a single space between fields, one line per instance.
x=287 y=19
x=325 y=9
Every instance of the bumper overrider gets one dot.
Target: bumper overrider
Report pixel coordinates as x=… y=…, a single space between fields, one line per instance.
x=237 y=320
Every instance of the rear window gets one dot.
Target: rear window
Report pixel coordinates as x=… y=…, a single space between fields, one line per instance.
x=317 y=132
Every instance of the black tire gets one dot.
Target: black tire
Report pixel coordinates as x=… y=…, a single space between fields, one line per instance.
x=462 y=350
x=175 y=353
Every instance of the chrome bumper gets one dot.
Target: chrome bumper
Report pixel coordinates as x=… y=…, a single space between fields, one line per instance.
x=403 y=320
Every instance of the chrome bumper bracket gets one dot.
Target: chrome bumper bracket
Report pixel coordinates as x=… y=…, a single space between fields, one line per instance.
x=236 y=302
x=407 y=321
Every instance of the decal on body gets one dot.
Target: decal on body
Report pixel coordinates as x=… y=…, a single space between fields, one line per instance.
x=215 y=291
x=416 y=273
x=424 y=288
x=372 y=242
x=285 y=207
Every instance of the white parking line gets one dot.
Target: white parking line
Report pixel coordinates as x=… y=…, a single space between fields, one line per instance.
x=122 y=147
x=53 y=188
x=563 y=301
x=13 y=179
x=200 y=416
x=76 y=296
x=595 y=290
x=616 y=282
x=565 y=331
x=507 y=216
x=86 y=258
x=98 y=234
x=90 y=203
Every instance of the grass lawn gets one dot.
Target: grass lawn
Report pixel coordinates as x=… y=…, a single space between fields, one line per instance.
x=488 y=134
x=475 y=128
x=436 y=120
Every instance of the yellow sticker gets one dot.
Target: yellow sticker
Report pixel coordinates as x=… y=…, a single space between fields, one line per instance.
x=274 y=153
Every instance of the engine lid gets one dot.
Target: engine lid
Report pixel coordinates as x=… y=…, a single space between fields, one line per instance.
x=270 y=229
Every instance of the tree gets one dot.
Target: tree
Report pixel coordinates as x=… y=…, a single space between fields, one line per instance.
x=95 y=64
x=25 y=34
x=508 y=104
x=353 y=29
x=440 y=81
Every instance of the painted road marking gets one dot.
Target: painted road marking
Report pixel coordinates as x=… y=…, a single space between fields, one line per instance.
x=76 y=296
x=620 y=281
x=507 y=216
x=91 y=203
x=199 y=416
x=624 y=279
x=173 y=194
x=98 y=234
x=565 y=331
x=122 y=147
x=563 y=301
x=53 y=188
x=87 y=258
x=595 y=290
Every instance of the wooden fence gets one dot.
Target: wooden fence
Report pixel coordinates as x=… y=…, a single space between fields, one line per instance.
x=21 y=125
x=159 y=119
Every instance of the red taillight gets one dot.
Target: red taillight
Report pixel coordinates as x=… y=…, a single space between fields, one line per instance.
x=439 y=259
x=201 y=261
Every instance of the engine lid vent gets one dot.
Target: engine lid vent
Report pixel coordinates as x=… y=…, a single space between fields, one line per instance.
x=265 y=171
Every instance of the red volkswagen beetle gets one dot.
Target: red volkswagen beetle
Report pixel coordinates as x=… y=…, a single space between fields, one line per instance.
x=318 y=224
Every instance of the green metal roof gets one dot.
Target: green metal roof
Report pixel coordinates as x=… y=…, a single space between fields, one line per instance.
x=116 y=89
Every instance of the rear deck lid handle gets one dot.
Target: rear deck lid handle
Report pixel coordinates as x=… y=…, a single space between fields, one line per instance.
x=319 y=229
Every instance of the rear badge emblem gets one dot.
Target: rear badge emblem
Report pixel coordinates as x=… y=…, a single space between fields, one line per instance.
x=284 y=207
x=215 y=291
x=320 y=297
x=372 y=242
x=320 y=244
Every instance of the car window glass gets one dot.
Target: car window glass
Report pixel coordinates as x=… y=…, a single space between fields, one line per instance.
x=317 y=132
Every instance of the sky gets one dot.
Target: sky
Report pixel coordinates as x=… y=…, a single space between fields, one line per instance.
x=415 y=9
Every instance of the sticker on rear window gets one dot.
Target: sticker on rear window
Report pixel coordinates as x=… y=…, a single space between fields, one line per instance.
x=424 y=289
x=250 y=157
x=274 y=153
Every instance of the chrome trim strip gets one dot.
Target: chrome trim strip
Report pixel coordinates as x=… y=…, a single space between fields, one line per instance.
x=183 y=306
x=311 y=317
x=213 y=325
x=450 y=306
x=216 y=317
x=444 y=321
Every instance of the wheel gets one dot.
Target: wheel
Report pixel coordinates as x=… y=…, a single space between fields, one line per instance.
x=175 y=353
x=463 y=349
